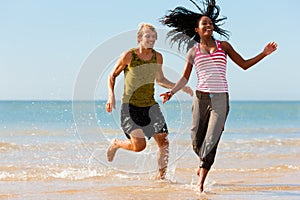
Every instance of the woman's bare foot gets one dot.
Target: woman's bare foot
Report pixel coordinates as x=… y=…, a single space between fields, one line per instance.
x=202 y=173
x=111 y=151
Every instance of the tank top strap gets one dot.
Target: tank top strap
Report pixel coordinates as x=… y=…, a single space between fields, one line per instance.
x=219 y=46
x=197 y=47
x=154 y=55
x=134 y=55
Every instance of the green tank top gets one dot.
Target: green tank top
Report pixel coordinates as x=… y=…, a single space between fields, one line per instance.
x=139 y=80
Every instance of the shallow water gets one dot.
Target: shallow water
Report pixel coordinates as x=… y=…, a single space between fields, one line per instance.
x=45 y=154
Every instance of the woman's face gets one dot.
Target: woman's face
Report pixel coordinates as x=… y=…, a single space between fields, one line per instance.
x=205 y=27
x=147 y=40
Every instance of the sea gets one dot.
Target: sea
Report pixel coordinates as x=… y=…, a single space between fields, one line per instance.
x=57 y=150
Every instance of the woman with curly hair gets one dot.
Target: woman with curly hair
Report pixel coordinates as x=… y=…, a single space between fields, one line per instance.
x=209 y=58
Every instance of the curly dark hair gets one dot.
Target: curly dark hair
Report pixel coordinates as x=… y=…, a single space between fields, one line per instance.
x=184 y=22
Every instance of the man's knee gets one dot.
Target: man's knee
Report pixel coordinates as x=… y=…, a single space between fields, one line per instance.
x=138 y=140
x=140 y=146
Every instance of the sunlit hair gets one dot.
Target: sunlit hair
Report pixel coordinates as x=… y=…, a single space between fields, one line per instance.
x=142 y=27
x=184 y=22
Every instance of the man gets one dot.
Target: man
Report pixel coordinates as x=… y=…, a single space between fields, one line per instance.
x=140 y=113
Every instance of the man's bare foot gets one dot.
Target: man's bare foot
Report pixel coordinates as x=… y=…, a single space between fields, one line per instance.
x=161 y=174
x=111 y=151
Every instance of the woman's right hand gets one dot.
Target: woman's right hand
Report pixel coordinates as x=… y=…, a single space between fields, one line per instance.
x=166 y=96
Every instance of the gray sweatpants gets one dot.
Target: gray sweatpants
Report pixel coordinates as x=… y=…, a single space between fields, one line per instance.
x=210 y=111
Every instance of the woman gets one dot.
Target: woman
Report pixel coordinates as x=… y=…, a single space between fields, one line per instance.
x=140 y=113
x=209 y=58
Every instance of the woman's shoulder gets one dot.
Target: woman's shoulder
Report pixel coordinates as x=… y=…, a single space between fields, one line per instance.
x=192 y=50
x=225 y=45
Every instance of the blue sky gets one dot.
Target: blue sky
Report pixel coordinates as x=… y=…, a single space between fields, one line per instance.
x=45 y=45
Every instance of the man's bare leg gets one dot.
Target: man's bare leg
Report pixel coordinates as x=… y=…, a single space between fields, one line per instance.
x=112 y=149
x=162 y=155
x=136 y=143
x=202 y=173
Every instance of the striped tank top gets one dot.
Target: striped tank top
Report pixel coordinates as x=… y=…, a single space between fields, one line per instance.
x=211 y=70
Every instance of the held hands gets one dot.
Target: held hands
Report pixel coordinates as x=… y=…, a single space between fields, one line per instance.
x=166 y=96
x=270 y=48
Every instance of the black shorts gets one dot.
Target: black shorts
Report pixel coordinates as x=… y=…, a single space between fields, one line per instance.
x=150 y=119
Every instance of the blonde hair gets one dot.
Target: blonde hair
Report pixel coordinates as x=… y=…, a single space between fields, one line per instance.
x=141 y=30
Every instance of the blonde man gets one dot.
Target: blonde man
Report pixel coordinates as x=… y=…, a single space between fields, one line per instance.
x=140 y=114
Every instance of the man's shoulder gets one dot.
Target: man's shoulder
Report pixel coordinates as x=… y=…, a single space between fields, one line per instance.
x=157 y=53
x=127 y=55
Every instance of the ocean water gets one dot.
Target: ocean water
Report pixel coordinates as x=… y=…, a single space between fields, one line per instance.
x=57 y=150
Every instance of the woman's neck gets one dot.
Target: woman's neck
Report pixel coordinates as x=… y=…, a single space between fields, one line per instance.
x=207 y=42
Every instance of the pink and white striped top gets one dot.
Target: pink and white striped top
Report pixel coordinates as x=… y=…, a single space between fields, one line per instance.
x=211 y=70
